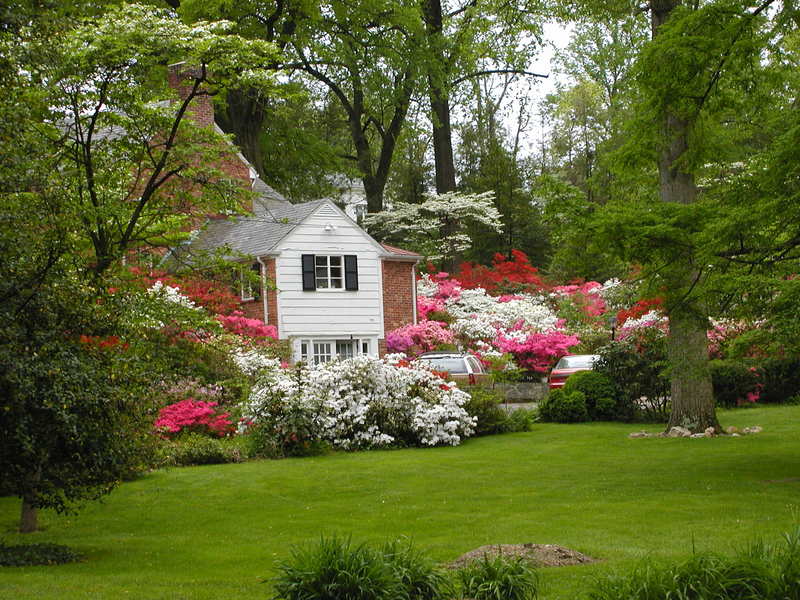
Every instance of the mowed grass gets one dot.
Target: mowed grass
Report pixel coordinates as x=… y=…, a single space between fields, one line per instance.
x=218 y=531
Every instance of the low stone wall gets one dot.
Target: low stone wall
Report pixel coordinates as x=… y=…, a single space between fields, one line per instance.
x=523 y=391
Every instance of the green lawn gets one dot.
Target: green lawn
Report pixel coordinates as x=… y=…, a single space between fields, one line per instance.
x=216 y=532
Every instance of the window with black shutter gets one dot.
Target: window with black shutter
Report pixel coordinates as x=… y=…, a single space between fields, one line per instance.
x=309 y=278
x=350 y=272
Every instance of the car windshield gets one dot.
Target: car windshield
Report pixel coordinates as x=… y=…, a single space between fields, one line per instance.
x=580 y=361
x=451 y=365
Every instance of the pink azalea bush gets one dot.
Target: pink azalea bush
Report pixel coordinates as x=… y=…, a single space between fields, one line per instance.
x=193 y=416
x=254 y=329
x=536 y=351
x=416 y=339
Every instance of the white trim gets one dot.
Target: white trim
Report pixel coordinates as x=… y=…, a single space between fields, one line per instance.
x=381 y=291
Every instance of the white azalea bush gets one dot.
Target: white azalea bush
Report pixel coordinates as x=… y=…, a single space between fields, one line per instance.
x=361 y=402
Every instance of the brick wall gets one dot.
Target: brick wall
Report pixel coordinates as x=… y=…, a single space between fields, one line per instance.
x=253 y=309
x=398 y=296
x=201 y=110
x=272 y=295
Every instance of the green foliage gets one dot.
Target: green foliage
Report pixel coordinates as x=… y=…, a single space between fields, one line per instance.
x=484 y=404
x=759 y=572
x=637 y=372
x=560 y=406
x=198 y=449
x=499 y=578
x=599 y=391
x=28 y=555
x=732 y=381
x=780 y=378
x=338 y=569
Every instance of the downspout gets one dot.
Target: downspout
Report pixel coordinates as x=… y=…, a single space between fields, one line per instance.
x=264 y=288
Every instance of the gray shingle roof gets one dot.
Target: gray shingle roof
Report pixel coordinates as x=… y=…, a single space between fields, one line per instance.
x=272 y=219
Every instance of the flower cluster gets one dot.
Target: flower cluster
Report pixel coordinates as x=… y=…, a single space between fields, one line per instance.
x=170 y=294
x=106 y=343
x=417 y=338
x=515 y=273
x=252 y=362
x=360 y=402
x=252 y=329
x=193 y=416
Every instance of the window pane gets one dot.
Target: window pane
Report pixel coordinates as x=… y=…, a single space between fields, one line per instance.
x=364 y=346
x=322 y=283
x=321 y=261
x=336 y=283
x=322 y=352
x=335 y=260
x=344 y=348
x=336 y=272
x=322 y=272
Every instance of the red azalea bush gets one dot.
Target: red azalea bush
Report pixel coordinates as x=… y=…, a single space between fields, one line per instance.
x=215 y=297
x=193 y=416
x=585 y=297
x=504 y=275
x=641 y=308
x=106 y=343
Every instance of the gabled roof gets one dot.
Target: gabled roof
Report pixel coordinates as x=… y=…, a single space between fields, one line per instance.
x=256 y=235
x=400 y=254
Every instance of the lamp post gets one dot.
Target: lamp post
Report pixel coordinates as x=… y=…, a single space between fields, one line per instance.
x=612 y=322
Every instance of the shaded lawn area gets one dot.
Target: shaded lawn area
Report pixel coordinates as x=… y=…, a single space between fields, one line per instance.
x=217 y=531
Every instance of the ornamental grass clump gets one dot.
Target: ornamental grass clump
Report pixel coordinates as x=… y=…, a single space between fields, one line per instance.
x=499 y=578
x=759 y=572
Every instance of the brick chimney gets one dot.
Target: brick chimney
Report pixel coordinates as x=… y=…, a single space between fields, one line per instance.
x=181 y=76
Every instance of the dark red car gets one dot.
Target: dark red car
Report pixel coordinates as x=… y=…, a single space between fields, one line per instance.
x=569 y=365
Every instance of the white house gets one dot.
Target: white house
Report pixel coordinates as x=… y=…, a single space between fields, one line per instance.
x=326 y=285
x=335 y=291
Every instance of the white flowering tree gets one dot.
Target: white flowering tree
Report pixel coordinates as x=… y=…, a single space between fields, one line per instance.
x=437 y=227
x=99 y=157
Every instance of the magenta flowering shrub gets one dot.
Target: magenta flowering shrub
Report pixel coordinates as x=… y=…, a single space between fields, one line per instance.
x=250 y=328
x=426 y=305
x=536 y=351
x=193 y=416
x=416 y=339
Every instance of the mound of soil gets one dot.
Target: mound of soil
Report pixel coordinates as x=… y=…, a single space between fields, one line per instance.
x=543 y=555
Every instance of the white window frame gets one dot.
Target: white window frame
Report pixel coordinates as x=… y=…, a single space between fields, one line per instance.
x=246 y=289
x=313 y=349
x=323 y=282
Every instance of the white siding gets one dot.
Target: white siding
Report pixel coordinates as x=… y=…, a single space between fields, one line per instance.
x=329 y=313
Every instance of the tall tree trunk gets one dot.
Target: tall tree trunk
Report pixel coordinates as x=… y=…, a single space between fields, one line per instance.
x=687 y=344
x=29 y=517
x=440 y=100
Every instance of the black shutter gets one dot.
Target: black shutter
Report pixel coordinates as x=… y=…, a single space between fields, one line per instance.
x=309 y=279
x=350 y=272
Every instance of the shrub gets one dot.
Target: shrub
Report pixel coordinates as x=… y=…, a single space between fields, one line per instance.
x=760 y=572
x=484 y=406
x=499 y=578
x=780 y=378
x=637 y=370
x=337 y=569
x=560 y=406
x=734 y=382
x=196 y=449
x=361 y=402
x=28 y=555
x=521 y=419
x=193 y=416
x=599 y=391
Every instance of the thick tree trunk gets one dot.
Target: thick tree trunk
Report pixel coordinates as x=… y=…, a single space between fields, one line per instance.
x=29 y=517
x=692 y=394
x=687 y=345
x=440 y=101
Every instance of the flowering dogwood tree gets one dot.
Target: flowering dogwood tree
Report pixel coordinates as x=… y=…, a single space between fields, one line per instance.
x=436 y=227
